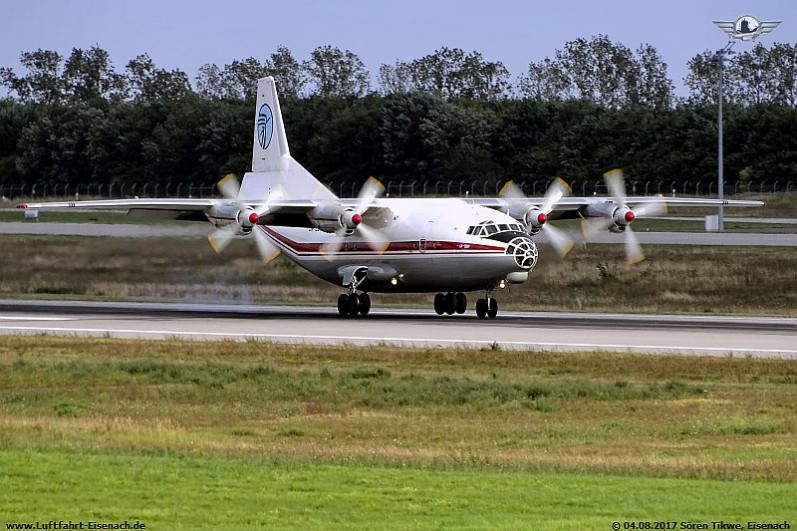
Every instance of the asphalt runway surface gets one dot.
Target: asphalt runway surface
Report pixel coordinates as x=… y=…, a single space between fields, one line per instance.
x=756 y=337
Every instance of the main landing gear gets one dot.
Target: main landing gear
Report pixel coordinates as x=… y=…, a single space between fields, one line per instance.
x=450 y=303
x=350 y=305
x=353 y=304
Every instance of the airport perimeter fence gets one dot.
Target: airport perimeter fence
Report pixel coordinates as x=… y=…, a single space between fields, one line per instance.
x=535 y=188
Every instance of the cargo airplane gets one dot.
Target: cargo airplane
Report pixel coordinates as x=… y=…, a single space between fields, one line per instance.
x=372 y=244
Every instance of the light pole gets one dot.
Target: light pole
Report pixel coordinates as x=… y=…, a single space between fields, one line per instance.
x=720 y=166
x=745 y=28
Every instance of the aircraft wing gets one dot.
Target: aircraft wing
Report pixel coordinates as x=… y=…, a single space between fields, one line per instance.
x=185 y=209
x=570 y=207
x=285 y=212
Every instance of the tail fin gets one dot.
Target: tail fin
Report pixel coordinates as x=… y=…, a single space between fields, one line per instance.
x=272 y=165
x=270 y=148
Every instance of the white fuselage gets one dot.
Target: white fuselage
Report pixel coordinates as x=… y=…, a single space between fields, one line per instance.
x=429 y=246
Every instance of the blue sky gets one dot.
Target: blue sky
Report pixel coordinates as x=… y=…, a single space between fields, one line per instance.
x=188 y=34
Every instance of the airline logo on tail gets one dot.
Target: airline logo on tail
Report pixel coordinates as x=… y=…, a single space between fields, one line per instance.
x=265 y=126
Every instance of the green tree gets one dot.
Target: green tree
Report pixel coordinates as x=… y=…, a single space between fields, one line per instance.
x=603 y=72
x=42 y=83
x=702 y=78
x=89 y=75
x=210 y=82
x=336 y=73
x=148 y=83
x=447 y=73
x=781 y=83
x=241 y=77
x=288 y=73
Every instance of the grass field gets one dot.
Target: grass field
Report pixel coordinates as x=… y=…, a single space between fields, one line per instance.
x=202 y=492
x=224 y=434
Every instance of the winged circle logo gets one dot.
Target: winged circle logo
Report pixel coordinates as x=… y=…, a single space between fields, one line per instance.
x=746 y=28
x=746 y=25
x=265 y=126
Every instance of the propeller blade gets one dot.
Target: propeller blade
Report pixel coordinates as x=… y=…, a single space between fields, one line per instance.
x=277 y=194
x=229 y=186
x=374 y=238
x=616 y=185
x=370 y=191
x=511 y=191
x=220 y=239
x=268 y=251
x=556 y=191
x=558 y=239
x=591 y=228
x=331 y=247
x=651 y=209
x=633 y=251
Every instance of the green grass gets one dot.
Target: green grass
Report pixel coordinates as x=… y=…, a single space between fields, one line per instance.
x=601 y=413
x=201 y=492
x=229 y=435
x=233 y=435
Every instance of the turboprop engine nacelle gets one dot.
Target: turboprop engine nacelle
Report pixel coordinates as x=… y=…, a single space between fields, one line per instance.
x=533 y=218
x=228 y=214
x=621 y=216
x=333 y=218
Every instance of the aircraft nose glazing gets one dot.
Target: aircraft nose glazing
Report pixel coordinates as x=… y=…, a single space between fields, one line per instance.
x=524 y=251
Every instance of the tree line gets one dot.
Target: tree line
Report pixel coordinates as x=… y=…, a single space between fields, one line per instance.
x=450 y=115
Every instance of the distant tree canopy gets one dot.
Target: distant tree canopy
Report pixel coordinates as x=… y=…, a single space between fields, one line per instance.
x=450 y=115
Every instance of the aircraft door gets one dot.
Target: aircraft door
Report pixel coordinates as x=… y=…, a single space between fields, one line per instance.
x=428 y=228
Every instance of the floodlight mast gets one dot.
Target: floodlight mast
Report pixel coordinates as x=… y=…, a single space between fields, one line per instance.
x=746 y=28
x=720 y=165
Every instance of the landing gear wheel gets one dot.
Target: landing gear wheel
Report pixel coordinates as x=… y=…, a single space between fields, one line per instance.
x=439 y=304
x=460 y=303
x=450 y=303
x=365 y=304
x=492 y=310
x=481 y=308
x=354 y=305
x=343 y=305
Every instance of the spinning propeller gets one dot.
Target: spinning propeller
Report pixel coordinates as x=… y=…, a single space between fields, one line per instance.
x=536 y=218
x=246 y=220
x=352 y=222
x=622 y=215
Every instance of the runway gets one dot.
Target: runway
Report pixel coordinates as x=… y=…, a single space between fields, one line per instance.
x=758 y=337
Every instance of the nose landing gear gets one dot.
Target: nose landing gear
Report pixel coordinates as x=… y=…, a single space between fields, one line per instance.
x=487 y=307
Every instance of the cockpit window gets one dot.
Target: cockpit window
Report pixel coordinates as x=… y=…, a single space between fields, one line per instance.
x=487 y=228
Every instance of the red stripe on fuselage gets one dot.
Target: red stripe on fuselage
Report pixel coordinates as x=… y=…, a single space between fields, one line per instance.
x=393 y=247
